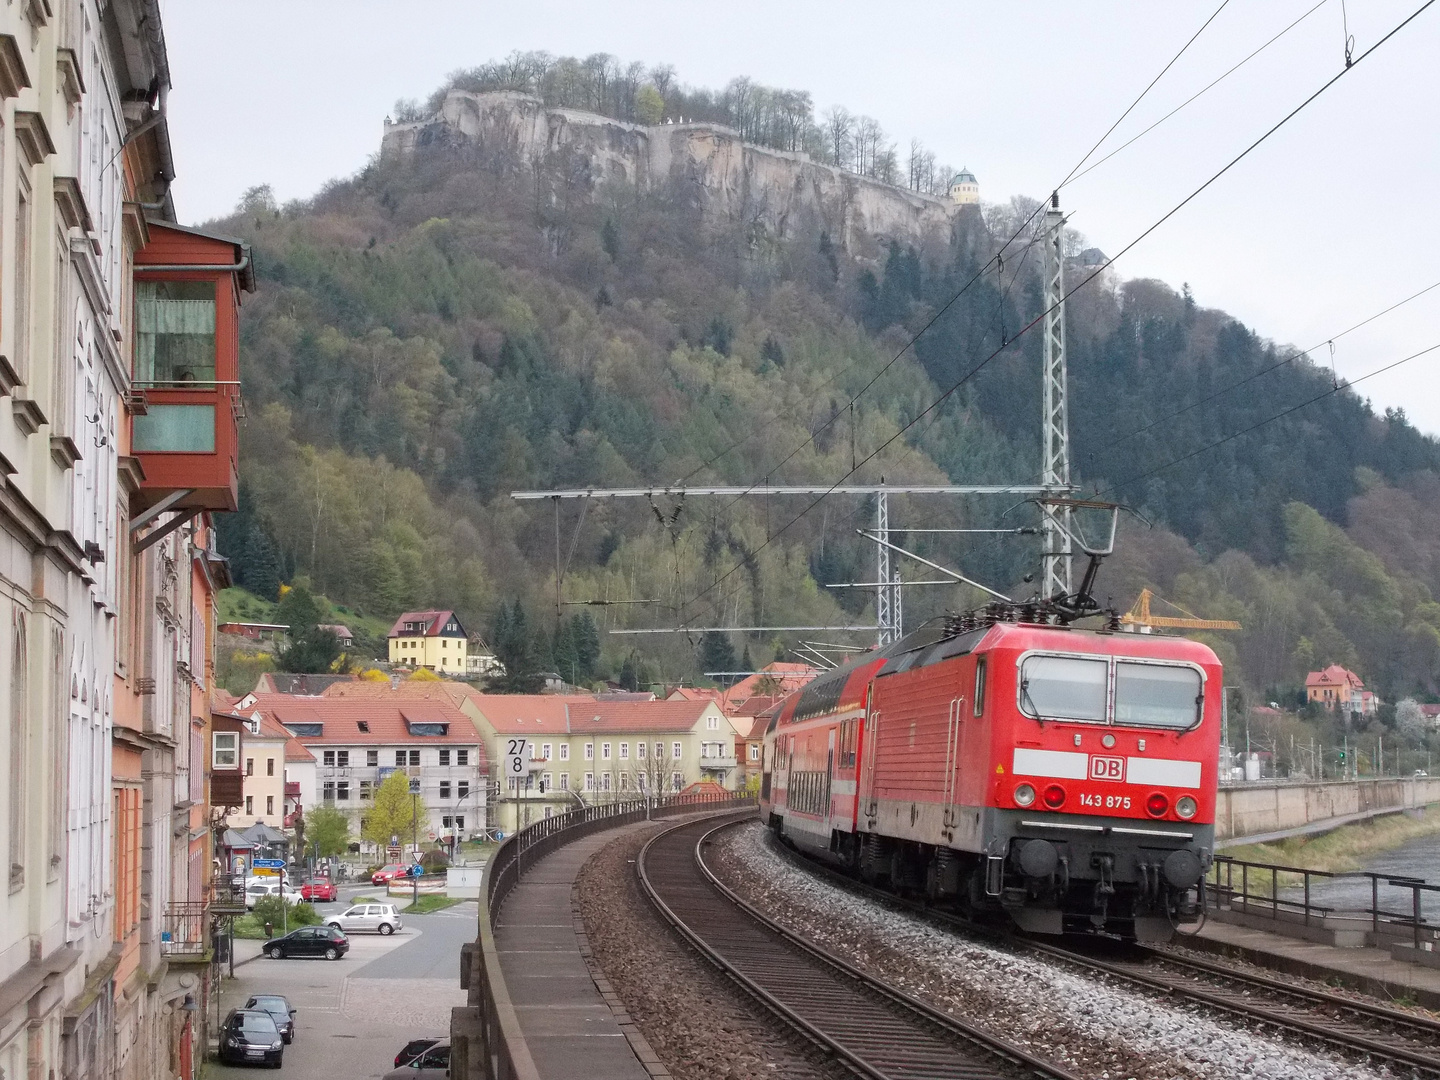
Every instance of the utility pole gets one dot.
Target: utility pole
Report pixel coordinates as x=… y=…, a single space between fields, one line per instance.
x=887 y=595
x=1055 y=447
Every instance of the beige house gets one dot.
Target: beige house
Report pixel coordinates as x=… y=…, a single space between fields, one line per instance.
x=269 y=750
x=431 y=639
x=581 y=749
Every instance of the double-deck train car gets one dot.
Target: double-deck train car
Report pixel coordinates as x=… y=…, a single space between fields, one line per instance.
x=1065 y=777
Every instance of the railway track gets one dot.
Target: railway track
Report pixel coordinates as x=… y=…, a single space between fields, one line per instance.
x=874 y=1029
x=1383 y=1034
x=1390 y=1035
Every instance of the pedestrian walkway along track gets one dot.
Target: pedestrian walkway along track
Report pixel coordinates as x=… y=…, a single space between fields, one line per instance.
x=1404 y=1040
x=872 y=1028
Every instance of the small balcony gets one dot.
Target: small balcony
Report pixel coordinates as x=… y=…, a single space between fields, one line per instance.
x=718 y=760
x=185 y=404
x=186 y=932
x=228 y=896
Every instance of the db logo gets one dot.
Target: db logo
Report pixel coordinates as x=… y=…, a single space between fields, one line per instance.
x=1107 y=768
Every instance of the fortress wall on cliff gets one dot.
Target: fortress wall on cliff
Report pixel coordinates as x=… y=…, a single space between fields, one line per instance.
x=726 y=179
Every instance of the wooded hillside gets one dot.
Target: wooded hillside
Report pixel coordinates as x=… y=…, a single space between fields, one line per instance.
x=427 y=338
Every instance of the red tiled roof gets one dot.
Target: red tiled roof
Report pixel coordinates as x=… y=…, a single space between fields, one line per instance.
x=786 y=677
x=621 y=717
x=388 y=721
x=530 y=714
x=1334 y=675
x=694 y=693
x=433 y=621
x=757 y=727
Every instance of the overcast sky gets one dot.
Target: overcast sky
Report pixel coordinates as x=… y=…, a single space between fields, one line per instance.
x=1330 y=221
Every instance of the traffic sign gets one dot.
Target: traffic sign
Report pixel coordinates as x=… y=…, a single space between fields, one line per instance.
x=414 y=785
x=265 y=871
x=273 y=864
x=517 y=757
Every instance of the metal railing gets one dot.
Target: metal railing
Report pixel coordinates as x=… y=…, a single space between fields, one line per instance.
x=227 y=894
x=1287 y=891
x=185 y=932
x=488 y=1043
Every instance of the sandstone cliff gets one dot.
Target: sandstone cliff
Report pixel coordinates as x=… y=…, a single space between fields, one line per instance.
x=707 y=166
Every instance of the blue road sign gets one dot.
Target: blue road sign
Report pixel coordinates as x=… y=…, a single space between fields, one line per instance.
x=273 y=864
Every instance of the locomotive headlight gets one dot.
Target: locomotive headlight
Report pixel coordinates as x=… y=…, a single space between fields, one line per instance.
x=1024 y=795
x=1054 y=796
x=1185 y=806
x=1157 y=804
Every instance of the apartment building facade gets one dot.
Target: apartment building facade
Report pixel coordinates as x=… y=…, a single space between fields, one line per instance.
x=358 y=743
x=107 y=567
x=582 y=749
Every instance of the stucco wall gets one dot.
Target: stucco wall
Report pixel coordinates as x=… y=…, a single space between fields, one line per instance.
x=1261 y=808
x=707 y=166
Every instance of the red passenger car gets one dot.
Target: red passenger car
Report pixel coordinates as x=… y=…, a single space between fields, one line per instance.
x=1063 y=776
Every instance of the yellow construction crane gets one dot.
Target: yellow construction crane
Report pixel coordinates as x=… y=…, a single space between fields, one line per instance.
x=1138 y=618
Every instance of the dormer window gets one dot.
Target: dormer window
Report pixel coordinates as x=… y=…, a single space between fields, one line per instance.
x=363 y=725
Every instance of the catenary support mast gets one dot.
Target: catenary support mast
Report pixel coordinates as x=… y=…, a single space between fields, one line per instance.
x=1055 y=449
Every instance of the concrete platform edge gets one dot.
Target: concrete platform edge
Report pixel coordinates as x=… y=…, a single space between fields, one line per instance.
x=1290 y=965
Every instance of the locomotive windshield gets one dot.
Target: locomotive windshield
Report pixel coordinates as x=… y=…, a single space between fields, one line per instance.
x=1156 y=695
x=1078 y=688
x=1064 y=687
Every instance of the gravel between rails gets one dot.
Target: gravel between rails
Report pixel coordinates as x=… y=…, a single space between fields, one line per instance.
x=1094 y=1026
x=699 y=1024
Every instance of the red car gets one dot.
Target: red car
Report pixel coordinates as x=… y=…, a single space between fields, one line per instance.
x=388 y=871
x=319 y=889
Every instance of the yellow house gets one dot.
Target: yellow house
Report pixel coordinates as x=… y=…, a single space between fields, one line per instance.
x=964 y=189
x=430 y=639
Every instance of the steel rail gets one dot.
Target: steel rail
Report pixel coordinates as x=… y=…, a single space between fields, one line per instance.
x=1314 y=1018
x=871 y=1027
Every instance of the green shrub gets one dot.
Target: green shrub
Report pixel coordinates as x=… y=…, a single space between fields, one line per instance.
x=434 y=861
x=271 y=909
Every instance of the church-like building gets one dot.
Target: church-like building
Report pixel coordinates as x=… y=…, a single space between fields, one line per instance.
x=964 y=188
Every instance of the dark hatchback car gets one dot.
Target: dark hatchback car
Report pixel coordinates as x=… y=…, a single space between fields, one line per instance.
x=250 y=1036
x=323 y=941
x=279 y=1010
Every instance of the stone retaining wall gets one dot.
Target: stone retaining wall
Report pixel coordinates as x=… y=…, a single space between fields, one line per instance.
x=1249 y=809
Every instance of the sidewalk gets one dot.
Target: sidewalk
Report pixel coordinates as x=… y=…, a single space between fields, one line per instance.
x=1367 y=969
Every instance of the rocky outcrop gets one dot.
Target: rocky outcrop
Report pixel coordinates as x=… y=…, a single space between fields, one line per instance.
x=706 y=166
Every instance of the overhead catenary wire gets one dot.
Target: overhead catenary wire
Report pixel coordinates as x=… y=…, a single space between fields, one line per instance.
x=945 y=395
x=1269 y=368
x=1331 y=392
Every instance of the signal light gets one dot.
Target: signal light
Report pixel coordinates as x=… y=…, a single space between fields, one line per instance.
x=1054 y=796
x=1156 y=804
x=1024 y=795
x=1185 y=806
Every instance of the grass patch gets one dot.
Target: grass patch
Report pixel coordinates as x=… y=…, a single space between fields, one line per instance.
x=432 y=902
x=1345 y=848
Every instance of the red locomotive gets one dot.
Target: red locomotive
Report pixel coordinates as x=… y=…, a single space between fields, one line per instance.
x=1063 y=776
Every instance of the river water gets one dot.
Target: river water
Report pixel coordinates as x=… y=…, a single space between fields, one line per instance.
x=1419 y=858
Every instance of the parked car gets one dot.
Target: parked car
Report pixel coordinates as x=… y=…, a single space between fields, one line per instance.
x=259 y=887
x=251 y=1035
x=279 y=1010
x=321 y=889
x=413 y=1049
x=388 y=871
x=430 y=1064
x=382 y=918
x=326 y=941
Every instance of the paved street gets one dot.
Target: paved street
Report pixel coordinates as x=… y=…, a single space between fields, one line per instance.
x=355 y=1014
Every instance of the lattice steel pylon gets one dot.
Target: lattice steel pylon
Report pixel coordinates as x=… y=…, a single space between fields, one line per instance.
x=1055 y=448
x=887 y=597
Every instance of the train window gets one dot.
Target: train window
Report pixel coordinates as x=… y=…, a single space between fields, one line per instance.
x=1157 y=695
x=980 y=686
x=1063 y=687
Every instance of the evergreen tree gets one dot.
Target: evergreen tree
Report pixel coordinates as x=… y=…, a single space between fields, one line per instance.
x=381 y=572
x=514 y=647
x=746 y=664
x=263 y=570
x=587 y=644
x=717 y=653
x=610 y=239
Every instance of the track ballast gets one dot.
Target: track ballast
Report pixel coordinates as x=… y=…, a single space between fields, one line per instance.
x=873 y=1028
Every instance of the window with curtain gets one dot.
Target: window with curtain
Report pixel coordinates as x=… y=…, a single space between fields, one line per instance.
x=174 y=332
